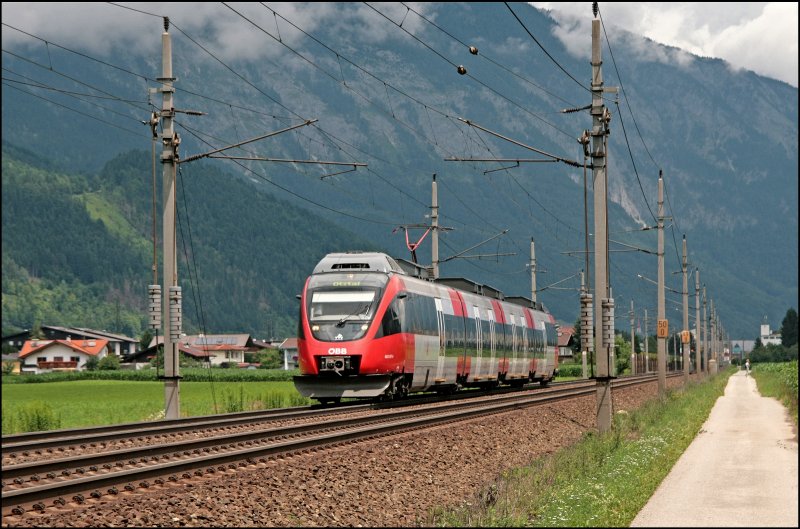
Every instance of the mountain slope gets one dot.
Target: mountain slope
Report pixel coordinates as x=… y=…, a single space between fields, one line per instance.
x=725 y=140
x=76 y=248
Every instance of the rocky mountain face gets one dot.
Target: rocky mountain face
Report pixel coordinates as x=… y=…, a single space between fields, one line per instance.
x=384 y=84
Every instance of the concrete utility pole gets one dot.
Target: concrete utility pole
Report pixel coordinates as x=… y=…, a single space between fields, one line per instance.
x=435 y=228
x=587 y=327
x=685 y=340
x=702 y=367
x=604 y=310
x=713 y=331
x=533 y=271
x=633 y=341
x=663 y=325
x=171 y=304
x=646 y=345
x=712 y=364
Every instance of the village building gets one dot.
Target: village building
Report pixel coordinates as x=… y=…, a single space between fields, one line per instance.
x=45 y=356
x=566 y=340
x=118 y=344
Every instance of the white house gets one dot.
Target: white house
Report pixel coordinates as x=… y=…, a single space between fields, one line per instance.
x=45 y=356
x=767 y=336
x=289 y=352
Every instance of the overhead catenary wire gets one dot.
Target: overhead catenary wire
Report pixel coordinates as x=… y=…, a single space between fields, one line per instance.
x=412 y=196
x=339 y=57
x=481 y=83
x=484 y=56
x=238 y=106
x=135 y=133
x=194 y=280
x=119 y=68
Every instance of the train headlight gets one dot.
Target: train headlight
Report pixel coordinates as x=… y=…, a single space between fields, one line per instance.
x=315 y=328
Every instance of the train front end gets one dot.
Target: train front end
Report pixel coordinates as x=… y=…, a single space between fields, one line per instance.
x=341 y=306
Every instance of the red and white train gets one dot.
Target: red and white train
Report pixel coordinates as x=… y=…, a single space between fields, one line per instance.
x=369 y=329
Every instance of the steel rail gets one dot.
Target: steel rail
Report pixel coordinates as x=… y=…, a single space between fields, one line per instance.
x=40 y=440
x=399 y=421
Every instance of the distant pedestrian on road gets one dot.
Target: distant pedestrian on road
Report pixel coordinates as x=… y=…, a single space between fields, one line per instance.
x=747 y=367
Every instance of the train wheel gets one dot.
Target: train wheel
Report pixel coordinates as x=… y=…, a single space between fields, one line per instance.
x=545 y=382
x=396 y=390
x=403 y=388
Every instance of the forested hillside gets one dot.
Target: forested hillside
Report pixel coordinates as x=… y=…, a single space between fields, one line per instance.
x=77 y=248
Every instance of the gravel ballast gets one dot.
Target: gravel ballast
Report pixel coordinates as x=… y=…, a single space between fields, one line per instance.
x=391 y=481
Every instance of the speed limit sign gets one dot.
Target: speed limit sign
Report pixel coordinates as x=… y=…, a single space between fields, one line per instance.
x=663 y=328
x=685 y=337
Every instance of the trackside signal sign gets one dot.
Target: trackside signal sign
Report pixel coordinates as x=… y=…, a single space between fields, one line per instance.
x=685 y=336
x=663 y=328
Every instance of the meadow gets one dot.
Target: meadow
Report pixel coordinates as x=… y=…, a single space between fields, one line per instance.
x=74 y=404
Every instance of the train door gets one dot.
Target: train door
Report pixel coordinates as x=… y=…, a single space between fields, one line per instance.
x=526 y=364
x=541 y=365
x=442 y=339
x=513 y=363
x=492 y=344
x=478 y=342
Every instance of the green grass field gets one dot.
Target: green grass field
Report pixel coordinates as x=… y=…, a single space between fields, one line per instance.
x=75 y=404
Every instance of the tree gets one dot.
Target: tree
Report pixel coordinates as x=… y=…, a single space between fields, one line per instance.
x=789 y=328
x=38 y=334
x=145 y=339
x=576 y=339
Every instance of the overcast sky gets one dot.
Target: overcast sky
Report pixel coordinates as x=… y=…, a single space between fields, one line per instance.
x=758 y=36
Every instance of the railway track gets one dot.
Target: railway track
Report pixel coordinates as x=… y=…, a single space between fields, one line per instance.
x=38 y=485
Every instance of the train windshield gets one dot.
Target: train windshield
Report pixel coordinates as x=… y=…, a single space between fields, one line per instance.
x=341 y=306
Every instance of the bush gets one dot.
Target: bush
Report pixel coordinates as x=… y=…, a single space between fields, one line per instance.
x=108 y=363
x=570 y=370
x=92 y=364
x=36 y=416
x=8 y=368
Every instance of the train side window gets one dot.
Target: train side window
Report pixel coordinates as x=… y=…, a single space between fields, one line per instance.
x=392 y=322
x=412 y=314
x=552 y=335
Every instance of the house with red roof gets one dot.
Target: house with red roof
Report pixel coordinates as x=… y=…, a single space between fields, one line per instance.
x=215 y=349
x=45 y=356
x=566 y=339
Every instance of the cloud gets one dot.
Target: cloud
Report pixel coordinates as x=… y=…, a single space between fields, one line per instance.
x=759 y=36
x=101 y=29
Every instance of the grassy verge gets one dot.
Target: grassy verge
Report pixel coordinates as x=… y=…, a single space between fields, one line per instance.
x=188 y=374
x=779 y=381
x=38 y=407
x=603 y=480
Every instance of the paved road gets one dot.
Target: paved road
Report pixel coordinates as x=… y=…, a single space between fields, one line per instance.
x=740 y=471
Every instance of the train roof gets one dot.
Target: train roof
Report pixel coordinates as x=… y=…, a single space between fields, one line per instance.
x=358 y=262
x=462 y=283
x=526 y=302
x=380 y=262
